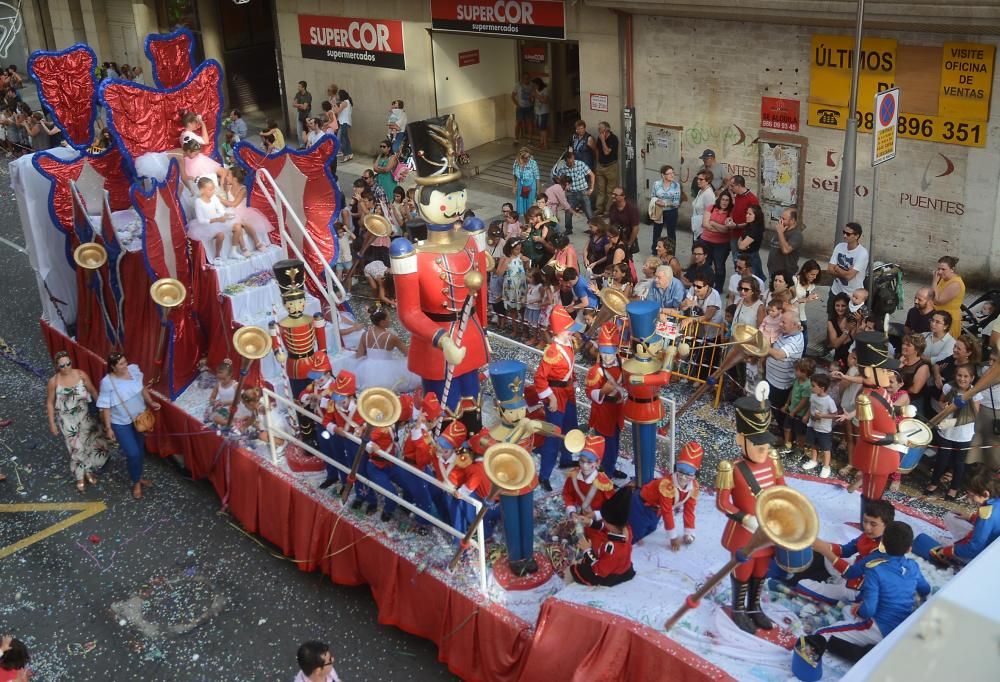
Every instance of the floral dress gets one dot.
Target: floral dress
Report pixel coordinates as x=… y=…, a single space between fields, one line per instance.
x=515 y=285
x=527 y=176
x=88 y=448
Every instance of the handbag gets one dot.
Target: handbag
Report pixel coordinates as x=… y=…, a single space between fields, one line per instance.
x=525 y=191
x=400 y=172
x=146 y=419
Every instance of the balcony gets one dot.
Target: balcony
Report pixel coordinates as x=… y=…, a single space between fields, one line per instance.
x=969 y=17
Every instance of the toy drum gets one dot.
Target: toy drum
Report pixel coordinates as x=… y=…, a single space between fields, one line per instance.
x=923 y=544
x=918 y=436
x=793 y=561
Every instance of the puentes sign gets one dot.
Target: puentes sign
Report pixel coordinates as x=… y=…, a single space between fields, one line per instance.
x=522 y=18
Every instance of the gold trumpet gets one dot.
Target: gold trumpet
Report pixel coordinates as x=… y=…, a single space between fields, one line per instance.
x=613 y=304
x=509 y=467
x=786 y=518
x=377 y=225
x=573 y=440
x=168 y=292
x=379 y=407
x=748 y=338
x=252 y=343
x=746 y=341
x=90 y=255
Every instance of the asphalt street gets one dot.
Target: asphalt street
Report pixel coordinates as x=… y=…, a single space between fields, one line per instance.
x=166 y=588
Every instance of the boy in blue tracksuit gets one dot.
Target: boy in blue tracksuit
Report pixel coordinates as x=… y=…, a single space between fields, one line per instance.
x=891 y=582
x=984 y=492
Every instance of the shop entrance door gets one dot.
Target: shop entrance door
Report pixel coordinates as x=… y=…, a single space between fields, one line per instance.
x=248 y=55
x=660 y=146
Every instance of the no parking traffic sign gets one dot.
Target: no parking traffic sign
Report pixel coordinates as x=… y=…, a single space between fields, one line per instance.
x=886 y=120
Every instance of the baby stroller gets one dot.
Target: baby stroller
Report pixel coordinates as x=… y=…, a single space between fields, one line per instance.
x=887 y=291
x=980 y=314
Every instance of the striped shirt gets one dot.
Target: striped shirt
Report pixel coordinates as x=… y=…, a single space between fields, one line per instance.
x=781 y=373
x=577 y=174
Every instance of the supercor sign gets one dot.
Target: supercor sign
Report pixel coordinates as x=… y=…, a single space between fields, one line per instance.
x=527 y=18
x=363 y=42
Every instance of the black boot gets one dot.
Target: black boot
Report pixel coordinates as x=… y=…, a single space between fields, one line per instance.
x=753 y=605
x=740 y=617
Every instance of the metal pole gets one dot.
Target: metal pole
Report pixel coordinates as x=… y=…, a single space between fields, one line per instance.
x=848 y=160
x=871 y=238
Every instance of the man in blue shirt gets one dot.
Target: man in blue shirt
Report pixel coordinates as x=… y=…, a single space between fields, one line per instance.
x=666 y=290
x=891 y=582
x=583 y=297
x=237 y=126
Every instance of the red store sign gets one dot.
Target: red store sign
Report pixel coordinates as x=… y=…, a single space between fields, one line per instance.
x=468 y=58
x=362 y=42
x=521 y=18
x=779 y=114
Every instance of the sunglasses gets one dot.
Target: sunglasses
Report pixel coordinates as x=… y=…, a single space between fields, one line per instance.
x=745 y=289
x=700 y=286
x=848 y=233
x=617 y=195
x=64 y=365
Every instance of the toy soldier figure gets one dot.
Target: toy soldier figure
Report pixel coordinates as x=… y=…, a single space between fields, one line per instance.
x=643 y=379
x=607 y=393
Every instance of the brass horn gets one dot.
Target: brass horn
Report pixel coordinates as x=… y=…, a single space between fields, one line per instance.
x=252 y=343
x=786 y=518
x=509 y=467
x=377 y=225
x=747 y=337
x=90 y=255
x=613 y=304
x=379 y=406
x=168 y=292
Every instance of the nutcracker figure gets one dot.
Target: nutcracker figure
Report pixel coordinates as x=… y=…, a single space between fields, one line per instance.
x=555 y=380
x=439 y=281
x=607 y=396
x=298 y=341
x=738 y=484
x=643 y=378
x=872 y=454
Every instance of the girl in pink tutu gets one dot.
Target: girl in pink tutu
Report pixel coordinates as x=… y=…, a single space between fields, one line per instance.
x=213 y=221
x=196 y=165
x=235 y=199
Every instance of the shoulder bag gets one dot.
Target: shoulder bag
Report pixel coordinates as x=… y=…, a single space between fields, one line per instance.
x=146 y=419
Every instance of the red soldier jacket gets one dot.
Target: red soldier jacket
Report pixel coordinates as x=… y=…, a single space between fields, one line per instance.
x=476 y=480
x=342 y=413
x=587 y=494
x=418 y=449
x=451 y=469
x=609 y=553
x=305 y=345
x=663 y=494
x=861 y=546
x=607 y=412
x=877 y=426
x=644 y=405
x=555 y=375
x=431 y=291
x=738 y=485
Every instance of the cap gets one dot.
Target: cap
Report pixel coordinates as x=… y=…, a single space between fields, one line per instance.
x=689 y=459
x=290 y=276
x=433 y=141
x=593 y=448
x=454 y=436
x=706 y=154
x=508 y=383
x=561 y=321
x=642 y=319
x=430 y=406
x=872 y=349
x=346 y=384
x=753 y=420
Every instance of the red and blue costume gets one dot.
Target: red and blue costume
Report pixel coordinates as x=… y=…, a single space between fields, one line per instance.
x=341 y=414
x=664 y=498
x=556 y=376
x=606 y=389
x=643 y=381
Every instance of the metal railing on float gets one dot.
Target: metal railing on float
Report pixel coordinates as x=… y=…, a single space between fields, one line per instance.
x=479 y=540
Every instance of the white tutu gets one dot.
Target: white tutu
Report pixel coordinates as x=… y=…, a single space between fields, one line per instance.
x=202 y=228
x=252 y=219
x=153 y=165
x=386 y=369
x=350 y=341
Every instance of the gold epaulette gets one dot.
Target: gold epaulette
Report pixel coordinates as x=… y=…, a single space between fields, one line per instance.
x=985 y=511
x=724 y=478
x=667 y=488
x=864 y=408
x=875 y=562
x=594 y=377
x=463 y=460
x=551 y=355
x=779 y=468
x=603 y=483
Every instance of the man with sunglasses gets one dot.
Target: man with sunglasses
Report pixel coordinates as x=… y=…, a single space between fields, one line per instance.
x=785 y=243
x=743 y=269
x=381 y=199
x=700 y=267
x=622 y=213
x=848 y=264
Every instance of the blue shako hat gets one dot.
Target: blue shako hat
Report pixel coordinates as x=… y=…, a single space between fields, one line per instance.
x=508 y=383
x=642 y=318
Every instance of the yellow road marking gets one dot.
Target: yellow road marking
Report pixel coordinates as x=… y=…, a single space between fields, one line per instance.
x=85 y=509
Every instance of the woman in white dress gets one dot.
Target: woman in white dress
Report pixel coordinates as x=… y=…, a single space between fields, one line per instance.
x=378 y=365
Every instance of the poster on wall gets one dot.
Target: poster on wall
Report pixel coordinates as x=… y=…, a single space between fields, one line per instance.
x=362 y=42
x=517 y=18
x=779 y=177
x=777 y=113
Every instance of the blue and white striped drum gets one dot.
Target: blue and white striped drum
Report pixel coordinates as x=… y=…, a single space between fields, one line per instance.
x=793 y=561
x=918 y=437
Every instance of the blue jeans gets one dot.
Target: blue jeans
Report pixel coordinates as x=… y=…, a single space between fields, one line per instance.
x=133 y=446
x=565 y=421
x=719 y=253
x=344 y=135
x=380 y=477
x=580 y=200
x=518 y=525
x=756 y=266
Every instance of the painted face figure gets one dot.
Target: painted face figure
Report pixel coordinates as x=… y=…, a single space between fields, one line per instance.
x=295 y=307
x=442 y=209
x=587 y=466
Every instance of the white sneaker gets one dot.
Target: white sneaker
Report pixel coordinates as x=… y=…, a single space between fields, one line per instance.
x=824 y=472
x=811 y=464
x=218 y=262
x=235 y=254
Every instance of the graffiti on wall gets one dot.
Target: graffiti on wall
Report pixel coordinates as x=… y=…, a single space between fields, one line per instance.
x=10 y=26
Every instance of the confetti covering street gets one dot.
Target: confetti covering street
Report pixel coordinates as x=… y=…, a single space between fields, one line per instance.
x=103 y=587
